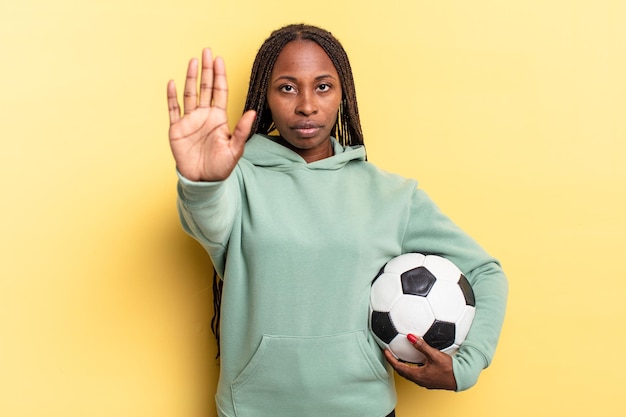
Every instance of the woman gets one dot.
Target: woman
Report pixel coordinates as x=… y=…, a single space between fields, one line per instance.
x=297 y=224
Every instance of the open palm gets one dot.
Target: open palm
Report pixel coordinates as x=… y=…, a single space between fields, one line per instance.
x=201 y=141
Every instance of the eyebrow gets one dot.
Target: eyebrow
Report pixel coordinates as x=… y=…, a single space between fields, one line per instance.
x=294 y=79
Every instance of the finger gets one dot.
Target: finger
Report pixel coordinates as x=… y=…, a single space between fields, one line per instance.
x=391 y=358
x=410 y=372
x=172 y=102
x=206 y=78
x=220 y=85
x=190 y=100
x=418 y=343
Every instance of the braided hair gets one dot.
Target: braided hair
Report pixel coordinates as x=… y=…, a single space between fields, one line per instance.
x=347 y=129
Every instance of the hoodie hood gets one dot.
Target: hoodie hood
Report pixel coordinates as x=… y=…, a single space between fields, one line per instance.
x=264 y=151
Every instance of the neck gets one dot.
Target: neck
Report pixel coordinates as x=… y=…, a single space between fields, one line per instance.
x=317 y=153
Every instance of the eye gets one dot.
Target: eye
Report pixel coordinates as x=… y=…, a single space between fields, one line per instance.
x=323 y=87
x=287 y=88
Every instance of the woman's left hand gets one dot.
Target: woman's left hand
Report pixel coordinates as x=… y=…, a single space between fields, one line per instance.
x=435 y=373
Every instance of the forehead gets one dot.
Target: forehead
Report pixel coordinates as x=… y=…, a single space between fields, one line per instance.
x=301 y=58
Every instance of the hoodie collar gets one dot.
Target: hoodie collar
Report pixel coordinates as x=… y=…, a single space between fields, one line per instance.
x=264 y=151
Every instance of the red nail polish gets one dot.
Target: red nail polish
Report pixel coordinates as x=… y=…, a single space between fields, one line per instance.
x=411 y=338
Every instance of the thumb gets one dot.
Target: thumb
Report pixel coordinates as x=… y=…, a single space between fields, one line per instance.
x=243 y=128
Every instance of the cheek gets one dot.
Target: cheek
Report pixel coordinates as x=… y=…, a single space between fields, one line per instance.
x=278 y=110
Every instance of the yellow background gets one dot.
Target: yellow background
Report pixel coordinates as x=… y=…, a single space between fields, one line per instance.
x=512 y=114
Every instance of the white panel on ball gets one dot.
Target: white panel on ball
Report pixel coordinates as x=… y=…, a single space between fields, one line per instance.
x=403 y=350
x=442 y=268
x=412 y=314
x=446 y=300
x=464 y=323
x=405 y=262
x=385 y=292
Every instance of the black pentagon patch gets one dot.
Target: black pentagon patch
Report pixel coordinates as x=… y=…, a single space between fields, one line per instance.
x=440 y=335
x=417 y=281
x=468 y=292
x=383 y=327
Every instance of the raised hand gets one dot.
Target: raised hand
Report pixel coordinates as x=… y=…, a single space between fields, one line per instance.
x=201 y=141
x=435 y=373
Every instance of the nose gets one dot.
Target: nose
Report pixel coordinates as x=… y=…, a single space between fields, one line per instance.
x=307 y=104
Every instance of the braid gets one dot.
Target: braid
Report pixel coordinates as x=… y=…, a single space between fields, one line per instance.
x=347 y=129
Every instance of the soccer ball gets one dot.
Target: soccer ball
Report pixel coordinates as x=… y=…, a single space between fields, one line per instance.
x=425 y=295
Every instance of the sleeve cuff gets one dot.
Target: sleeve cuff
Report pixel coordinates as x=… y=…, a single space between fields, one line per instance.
x=198 y=193
x=467 y=365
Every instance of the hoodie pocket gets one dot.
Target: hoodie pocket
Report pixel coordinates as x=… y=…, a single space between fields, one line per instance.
x=337 y=375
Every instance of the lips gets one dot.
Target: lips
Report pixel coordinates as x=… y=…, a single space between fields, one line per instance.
x=307 y=128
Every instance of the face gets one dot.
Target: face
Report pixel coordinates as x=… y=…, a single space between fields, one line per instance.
x=303 y=95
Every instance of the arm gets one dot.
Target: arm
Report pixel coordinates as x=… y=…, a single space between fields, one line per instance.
x=430 y=231
x=206 y=153
x=207 y=212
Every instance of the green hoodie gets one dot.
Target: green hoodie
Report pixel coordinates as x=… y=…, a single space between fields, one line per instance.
x=298 y=246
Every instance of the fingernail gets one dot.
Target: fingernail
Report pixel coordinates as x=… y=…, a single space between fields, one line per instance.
x=412 y=338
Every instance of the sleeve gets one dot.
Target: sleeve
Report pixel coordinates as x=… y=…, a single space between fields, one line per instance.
x=207 y=212
x=430 y=231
